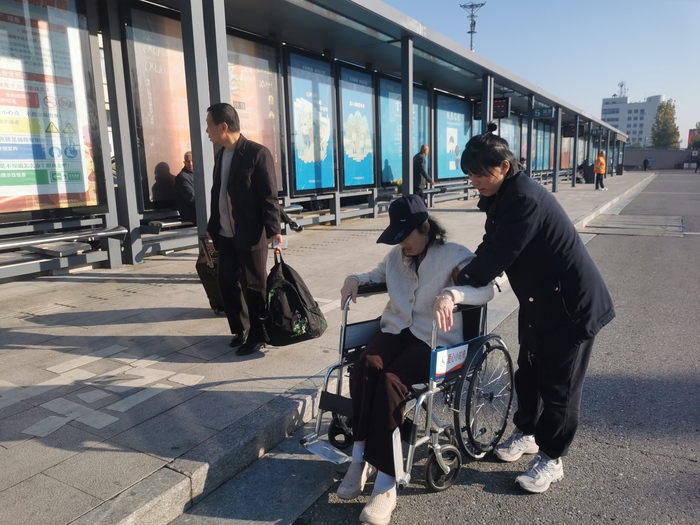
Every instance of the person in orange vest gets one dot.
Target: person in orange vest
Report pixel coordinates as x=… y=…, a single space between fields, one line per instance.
x=599 y=170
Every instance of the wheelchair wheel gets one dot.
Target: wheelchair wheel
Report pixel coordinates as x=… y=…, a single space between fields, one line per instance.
x=435 y=477
x=338 y=436
x=483 y=399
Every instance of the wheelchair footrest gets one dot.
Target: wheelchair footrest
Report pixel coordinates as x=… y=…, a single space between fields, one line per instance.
x=327 y=451
x=336 y=404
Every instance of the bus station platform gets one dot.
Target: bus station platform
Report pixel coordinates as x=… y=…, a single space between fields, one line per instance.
x=121 y=401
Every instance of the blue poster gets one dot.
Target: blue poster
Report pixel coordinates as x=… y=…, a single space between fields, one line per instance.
x=312 y=123
x=452 y=134
x=357 y=113
x=391 y=132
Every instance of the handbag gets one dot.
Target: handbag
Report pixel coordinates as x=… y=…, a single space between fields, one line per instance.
x=291 y=314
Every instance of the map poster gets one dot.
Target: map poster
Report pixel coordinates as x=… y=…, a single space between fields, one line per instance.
x=46 y=157
x=254 y=85
x=357 y=114
x=452 y=135
x=391 y=129
x=159 y=63
x=312 y=123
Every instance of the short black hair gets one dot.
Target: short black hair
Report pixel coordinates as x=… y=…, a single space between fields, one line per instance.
x=225 y=113
x=486 y=151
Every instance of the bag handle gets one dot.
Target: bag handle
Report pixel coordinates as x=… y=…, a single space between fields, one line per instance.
x=280 y=256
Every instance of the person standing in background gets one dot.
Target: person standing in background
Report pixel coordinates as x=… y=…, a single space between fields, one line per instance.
x=599 y=170
x=245 y=217
x=184 y=191
x=420 y=173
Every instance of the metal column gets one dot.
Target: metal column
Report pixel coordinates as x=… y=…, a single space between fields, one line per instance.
x=557 y=149
x=117 y=83
x=575 y=163
x=486 y=101
x=530 y=126
x=407 y=113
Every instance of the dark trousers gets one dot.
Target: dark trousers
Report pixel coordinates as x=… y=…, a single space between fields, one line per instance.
x=548 y=385
x=599 y=180
x=243 y=282
x=386 y=369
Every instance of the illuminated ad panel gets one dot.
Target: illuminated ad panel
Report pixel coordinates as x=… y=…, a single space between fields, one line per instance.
x=452 y=135
x=162 y=100
x=46 y=157
x=312 y=122
x=357 y=114
x=391 y=129
x=254 y=85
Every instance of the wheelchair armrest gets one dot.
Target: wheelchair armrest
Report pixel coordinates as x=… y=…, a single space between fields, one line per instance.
x=465 y=307
x=371 y=289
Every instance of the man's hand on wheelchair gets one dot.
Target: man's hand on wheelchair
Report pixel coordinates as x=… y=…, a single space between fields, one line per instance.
x=442 y=309
x=349 y=289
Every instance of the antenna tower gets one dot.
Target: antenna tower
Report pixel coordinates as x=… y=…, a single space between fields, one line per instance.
x=623 y=89
x=472 y=8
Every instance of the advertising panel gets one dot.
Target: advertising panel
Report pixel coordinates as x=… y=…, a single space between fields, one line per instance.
x=46 y=155
x=452 y=134
x=254 y=84
x=391 y=130
x=357 y=114
x=312 y=123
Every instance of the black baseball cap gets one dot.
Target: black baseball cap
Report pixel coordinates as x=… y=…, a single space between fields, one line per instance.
x=405 y=215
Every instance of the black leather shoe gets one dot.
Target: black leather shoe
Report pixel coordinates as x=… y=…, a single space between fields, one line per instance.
x=237 y=340
x=249 y=347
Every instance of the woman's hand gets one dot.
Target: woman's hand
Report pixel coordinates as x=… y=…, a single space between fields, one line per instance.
x=442 y=309
x=349 y=289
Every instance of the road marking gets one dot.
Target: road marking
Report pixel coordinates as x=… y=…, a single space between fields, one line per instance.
x=139 y=397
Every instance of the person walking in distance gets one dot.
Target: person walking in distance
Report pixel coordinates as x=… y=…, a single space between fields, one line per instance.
x=563 y=300
x=245 y=217
x=420 y=173
x=599 y=170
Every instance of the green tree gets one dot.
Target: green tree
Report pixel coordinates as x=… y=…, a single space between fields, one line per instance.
x=664 y=132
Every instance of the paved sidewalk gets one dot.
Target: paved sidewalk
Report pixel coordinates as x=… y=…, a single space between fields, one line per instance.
x=121 y=401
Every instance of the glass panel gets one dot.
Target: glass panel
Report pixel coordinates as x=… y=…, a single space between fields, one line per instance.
x=254 y=85
x=46 y=141
x=357 y=114
x=312 y=123
x=162 y=104
x=452 y=134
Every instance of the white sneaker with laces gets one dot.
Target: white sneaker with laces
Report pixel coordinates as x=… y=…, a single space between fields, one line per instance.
x=355 y=478
x=542 y=472
x=379 y=508
x=515 y=446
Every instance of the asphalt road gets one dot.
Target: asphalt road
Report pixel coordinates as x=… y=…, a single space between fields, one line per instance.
x=635 y=458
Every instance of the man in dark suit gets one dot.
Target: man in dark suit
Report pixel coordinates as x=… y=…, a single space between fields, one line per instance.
x=184 y=191
x=245 y=216
x=420 y=174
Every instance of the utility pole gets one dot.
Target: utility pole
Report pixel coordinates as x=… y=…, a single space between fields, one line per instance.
x=472 y=8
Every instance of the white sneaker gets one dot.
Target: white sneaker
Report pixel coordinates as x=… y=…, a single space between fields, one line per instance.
x=355 y=478
x=517 y=445
x=541 y=473
x=379 y=508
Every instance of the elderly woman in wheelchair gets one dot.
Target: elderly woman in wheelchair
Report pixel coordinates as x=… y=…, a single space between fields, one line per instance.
x=417 y=274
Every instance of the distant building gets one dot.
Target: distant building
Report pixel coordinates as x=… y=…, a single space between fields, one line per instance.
x=633 y=118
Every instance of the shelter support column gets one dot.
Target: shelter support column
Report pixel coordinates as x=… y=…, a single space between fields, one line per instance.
x=574 y=153
x=557 y=149
x=407 y=113
x=530 y=127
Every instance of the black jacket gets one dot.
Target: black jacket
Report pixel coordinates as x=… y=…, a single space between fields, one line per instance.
x=420 y=174
x=252 y=196
x=562 y=295
x=184 y=196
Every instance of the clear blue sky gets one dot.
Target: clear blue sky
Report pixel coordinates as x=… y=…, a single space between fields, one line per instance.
x=579 y=50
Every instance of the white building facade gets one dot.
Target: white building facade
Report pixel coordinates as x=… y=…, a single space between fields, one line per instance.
x=633 y=118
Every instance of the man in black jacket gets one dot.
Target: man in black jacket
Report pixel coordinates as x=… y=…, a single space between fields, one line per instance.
x=245 y=217
x=184 y=191
x=563 y=303
x=420 y=173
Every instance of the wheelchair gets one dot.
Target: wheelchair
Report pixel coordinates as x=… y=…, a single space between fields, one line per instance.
x=463 y=408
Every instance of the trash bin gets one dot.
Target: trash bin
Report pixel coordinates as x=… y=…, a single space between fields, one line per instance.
x=588 y=174
x=618 y=171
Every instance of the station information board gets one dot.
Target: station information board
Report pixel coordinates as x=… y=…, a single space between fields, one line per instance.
x=46 y=157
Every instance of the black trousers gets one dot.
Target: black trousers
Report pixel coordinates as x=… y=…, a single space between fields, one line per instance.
x=599 y=180
x=548 y=385
x=243 y=282
x=387 y=367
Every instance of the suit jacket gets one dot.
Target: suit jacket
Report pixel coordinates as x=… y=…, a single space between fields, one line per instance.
x=420 y=174
x=252 y=197
x=561 y=292
x=184 y=196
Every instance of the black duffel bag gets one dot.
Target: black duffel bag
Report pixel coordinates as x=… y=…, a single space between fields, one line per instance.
x=292 y=314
